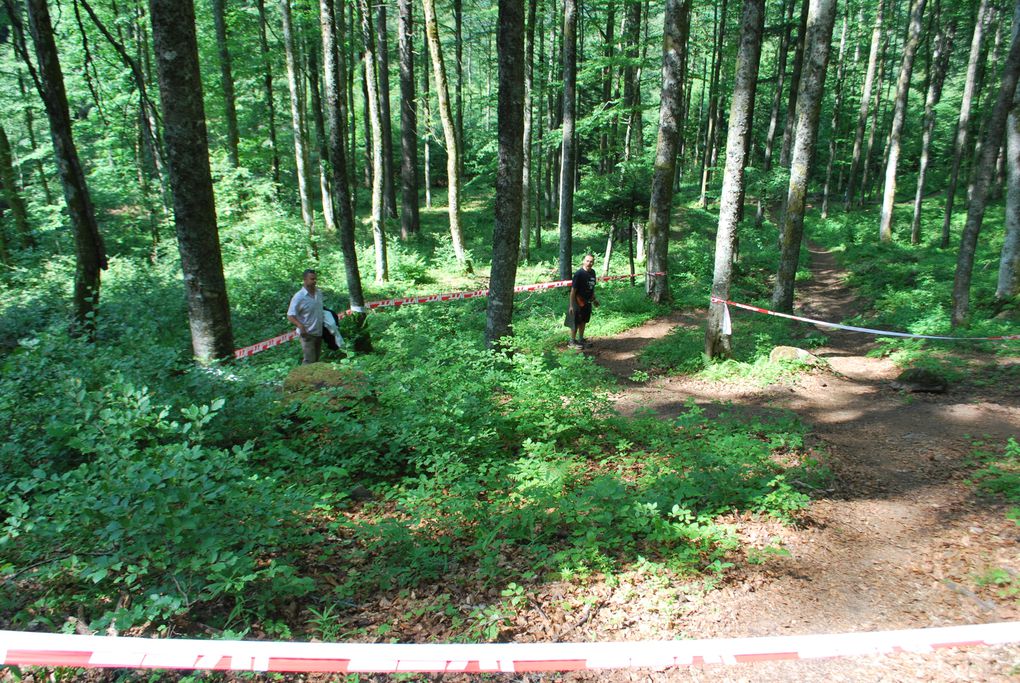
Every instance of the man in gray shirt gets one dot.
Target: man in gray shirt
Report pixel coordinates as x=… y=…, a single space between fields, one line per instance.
x=305 y=312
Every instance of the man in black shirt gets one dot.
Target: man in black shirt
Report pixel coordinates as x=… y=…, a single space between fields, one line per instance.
x=582 y=298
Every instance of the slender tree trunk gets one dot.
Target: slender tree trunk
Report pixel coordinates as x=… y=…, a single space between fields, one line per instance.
x=458 y=40
x=301 y=163
x=963 y=123
x=426 y=137
x=226 y=80
x=409 y=220
x=330 y=24
x=631 y=85
x=378 y=148
x=9 y=185
x=529 y=58
x=385 y=119
x=821 y=16
x=30 y=130
x=717 y=339
x=180 y=85
x=862 y=116
x=606 y=141
x=834 y=124
x=713 y=106
x=509 y=178
x=90 y=252
x=267 y=83
x=899 y=116
x=939 y=66
x=777 y=99
x=995 y=128
x=791 y=108
x=449 y=131
x=568 y=158
x=676 y=29
x=1009 y=262
x=325 y=180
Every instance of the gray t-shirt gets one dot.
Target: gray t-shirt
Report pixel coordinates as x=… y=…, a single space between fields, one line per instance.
x=308 y=309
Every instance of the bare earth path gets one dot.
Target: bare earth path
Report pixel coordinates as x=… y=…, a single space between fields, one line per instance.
x=900 y=539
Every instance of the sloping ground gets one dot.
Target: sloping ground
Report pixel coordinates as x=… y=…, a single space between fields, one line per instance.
x=900 y=539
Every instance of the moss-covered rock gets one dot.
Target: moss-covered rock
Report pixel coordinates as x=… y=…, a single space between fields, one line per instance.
x=324 y=377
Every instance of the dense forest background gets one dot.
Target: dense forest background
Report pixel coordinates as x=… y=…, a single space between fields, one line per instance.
x=168 y=172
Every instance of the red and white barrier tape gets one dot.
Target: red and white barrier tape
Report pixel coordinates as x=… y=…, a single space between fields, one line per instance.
x=427 y=299
x=851 y=328
x=44 y=649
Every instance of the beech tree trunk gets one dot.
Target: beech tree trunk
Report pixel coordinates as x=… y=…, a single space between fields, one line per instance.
x=821 y=16
x=777 y=99
x=789 y=130
x=983 y=172
x=939 y=65
x=426 y=137
x=714 y=97
x=631 y=85
x=368 y=61
x=385 y=120
x=529 y=69
x=180 y=86
x=458 y=47
x=899 y=116
x=717 y=339
x=509 y=177
x=9 y=185
x=267 y=84
x=862 y=116
x=330 y=24
x=409 y=219
x=834 y=124
x=318 y=117
x=301 y=162
x=963 y=122
x=226 y=80
x=90 y=253
x=1009 y=262
x=449 y=131
x=568 y=159
x=676 y=28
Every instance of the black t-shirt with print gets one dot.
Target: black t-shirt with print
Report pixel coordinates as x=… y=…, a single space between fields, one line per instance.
x=584 y=284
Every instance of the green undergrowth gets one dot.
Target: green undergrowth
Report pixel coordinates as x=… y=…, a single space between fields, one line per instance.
x=996 y=476
x=141 y=493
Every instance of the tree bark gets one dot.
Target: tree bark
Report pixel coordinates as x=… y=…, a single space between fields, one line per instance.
x=834 y=124
x=318 y=119
x=458 y=43
x=994 y=130
x=789 y=130
x=717 y=339
x=862 y=116
x=568 y=159
x=509 y=172
x=821 y=16
x=713 y=106
x=426 y=137
x=1009 y=262
x=9 y=185
x=385 y=118
x=963 y=122
x=676 y=28
x=90 y=253
x=301 y=162
x=333 y=70
x=631 y=85
x=267 y=84
x=529 y=68
x=409 y=219
x=939 y=65
x=226 y=80
x=368 y=60
x=180 y=85
x=449 y=131
x=777 y=99
x=899 y=116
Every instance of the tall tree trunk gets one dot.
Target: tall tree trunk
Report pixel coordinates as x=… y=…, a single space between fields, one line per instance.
x=325 y=181
x=676 y=29
x=509 y=178
x=899 y=116
x=301 y=163
x=717 y=339
x=777 y=99
x=963 y=123
x=385 y=119
x=713 y=106
x=449 y=131
x=606 y=140
x=426 y=137
x=631 y=84
x=789 y=129
x=226 y=81
x=378 y=147
x=529 y=68
x=821 y=16
x=409 y=220
x=30 y=130
x=9 y=185
x=834 y=124
x=939 y=66
x=458 y=45
x=862 y=116
x=877 y=116
x=995 y=127
x=330 y=24
x=267 y=84
x=568 y=158
x=1009 y=262
x=180 y=85
x=90 y=253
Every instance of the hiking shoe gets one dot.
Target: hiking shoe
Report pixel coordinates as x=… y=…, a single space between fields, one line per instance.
x=572 y=344
x=584 y=343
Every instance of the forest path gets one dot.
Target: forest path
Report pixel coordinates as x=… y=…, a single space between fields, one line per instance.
x=900 y=538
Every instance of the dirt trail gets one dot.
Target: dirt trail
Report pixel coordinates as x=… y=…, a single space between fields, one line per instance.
x=897 y=543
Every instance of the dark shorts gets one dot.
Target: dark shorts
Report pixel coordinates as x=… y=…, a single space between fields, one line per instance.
x=582 y=314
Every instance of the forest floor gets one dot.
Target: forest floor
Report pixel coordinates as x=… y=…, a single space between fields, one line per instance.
x=898 y=542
